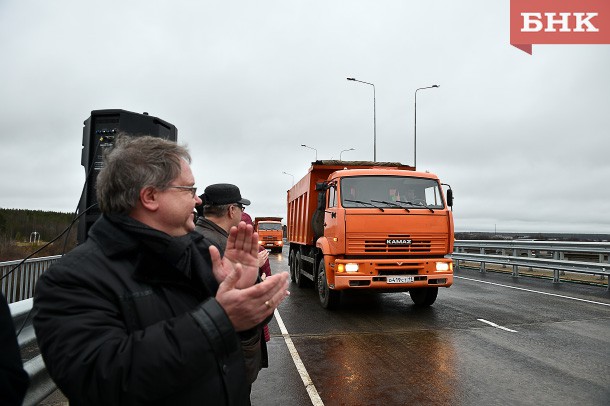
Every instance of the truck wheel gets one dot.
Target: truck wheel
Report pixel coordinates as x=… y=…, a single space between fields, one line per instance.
x=424 y=296
x=298 y=276
x=291 y=263
x=329 y=299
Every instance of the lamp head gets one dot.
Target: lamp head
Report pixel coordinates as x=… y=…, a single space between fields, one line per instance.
x=351 y=78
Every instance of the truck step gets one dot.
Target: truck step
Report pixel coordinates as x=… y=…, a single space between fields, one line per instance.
x=307 y=259
x=307 y=275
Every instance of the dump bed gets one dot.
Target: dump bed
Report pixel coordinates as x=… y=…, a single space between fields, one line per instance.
x=302 y=198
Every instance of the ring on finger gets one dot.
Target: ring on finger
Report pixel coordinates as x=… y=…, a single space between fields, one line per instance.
x=268 y=304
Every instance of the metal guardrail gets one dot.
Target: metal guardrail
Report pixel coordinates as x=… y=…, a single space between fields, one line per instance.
x=17 y=284
x=539 y=263
x=41 y=384
x=558 y=249
x=18 y=287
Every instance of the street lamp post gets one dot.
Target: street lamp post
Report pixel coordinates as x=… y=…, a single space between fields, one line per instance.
x=415 y=125
x=290 y=174
x=374 y=118
x=345 y=150
x=306 y=146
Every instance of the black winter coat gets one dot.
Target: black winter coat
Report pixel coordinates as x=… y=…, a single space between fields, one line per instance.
x=129 y=318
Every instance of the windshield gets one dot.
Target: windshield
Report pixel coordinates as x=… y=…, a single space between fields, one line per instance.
x=391 y=192
x=269 y=226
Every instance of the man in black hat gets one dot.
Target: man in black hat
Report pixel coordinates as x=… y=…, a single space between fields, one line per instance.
x=222 y=208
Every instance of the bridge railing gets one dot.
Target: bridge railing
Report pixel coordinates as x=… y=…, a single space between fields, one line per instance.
x=18 y=278
x=547 y=255
x=558 y=248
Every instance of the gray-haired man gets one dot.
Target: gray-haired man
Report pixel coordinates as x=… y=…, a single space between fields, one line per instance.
x=143 y=312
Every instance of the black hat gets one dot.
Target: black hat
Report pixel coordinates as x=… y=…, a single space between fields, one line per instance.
x=222 y=193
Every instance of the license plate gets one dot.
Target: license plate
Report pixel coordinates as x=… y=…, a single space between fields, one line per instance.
x=400 y=279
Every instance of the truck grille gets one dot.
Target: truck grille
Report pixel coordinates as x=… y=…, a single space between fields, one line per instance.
x=419 y=244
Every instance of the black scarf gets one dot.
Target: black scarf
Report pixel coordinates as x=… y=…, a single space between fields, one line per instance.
x=184 y=254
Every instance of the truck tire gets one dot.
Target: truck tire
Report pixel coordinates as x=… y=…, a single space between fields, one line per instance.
x=424 y=296
x=298 y=276
x=329 y=299
x=292 y=266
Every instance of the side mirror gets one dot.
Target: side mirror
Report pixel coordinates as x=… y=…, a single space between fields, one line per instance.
x=450 y=197
x=320 y=186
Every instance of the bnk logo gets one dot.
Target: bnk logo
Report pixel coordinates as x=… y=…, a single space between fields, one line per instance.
x=559 y=22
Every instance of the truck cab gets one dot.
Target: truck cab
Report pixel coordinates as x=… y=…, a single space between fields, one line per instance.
x=270 y=232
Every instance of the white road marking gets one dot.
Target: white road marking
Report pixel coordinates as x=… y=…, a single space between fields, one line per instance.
x=497 y=326
x=535 y=291
x=309 y=386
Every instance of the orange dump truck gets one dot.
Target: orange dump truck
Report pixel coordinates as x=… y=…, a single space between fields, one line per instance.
x=270 y=232
x=370 y=225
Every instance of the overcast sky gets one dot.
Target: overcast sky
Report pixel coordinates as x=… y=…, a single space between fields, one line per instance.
x=524 y=140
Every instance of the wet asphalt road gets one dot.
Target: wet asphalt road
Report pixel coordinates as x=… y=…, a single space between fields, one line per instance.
x=488 y=340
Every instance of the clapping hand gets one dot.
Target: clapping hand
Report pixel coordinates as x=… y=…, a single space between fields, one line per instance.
x=242 y=249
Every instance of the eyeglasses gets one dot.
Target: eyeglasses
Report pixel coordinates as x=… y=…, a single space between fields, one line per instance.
x=191 y=189
x=241 y=207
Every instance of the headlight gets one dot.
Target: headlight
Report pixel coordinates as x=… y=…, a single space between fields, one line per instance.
x=351 y=267
x=442 y=266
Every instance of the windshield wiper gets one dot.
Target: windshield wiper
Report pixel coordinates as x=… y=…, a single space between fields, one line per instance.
x=363 y=202
x=419 y=203
x=391 y=204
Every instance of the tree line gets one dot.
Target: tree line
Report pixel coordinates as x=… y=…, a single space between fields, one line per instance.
x=24 y=231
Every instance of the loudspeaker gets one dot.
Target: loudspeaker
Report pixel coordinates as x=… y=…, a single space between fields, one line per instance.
x=98 y=135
